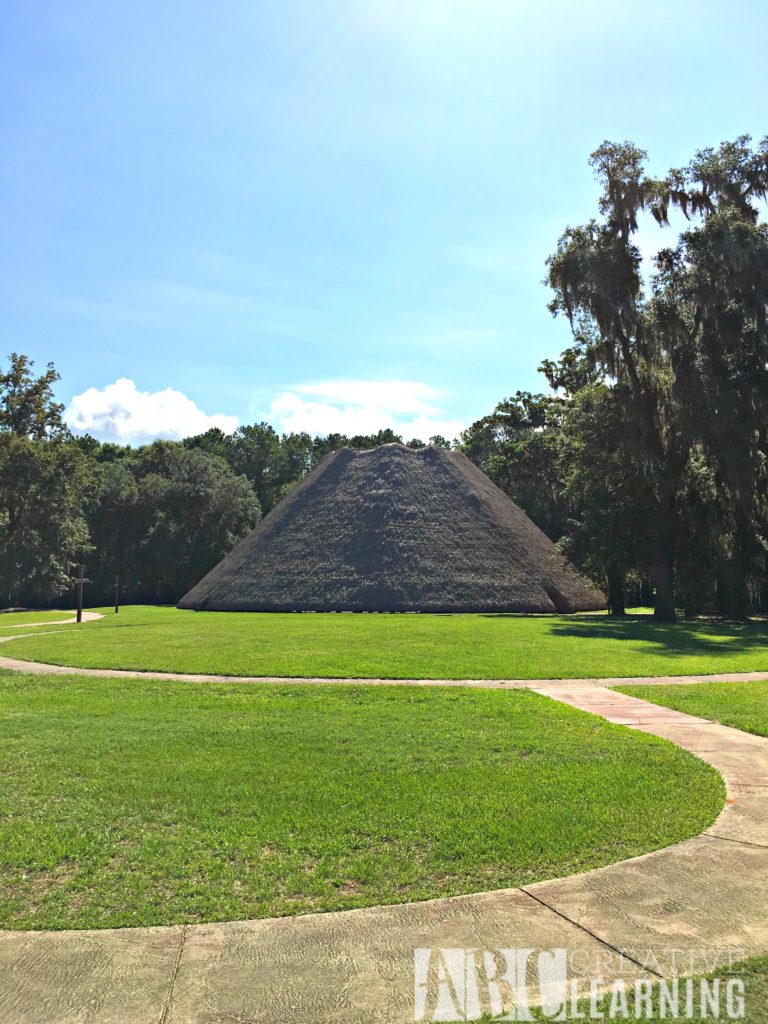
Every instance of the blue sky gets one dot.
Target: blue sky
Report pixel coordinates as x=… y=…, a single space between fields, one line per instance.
x=327 y=214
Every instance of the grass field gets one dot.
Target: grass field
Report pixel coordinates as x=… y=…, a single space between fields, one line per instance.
x=398 y=646
x=740 y=705
x=132 y=802
x=753 y=973
x=10 y=619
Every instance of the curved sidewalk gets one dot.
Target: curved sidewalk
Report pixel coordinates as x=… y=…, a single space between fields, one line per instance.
x=87 y=617
x=700 y=896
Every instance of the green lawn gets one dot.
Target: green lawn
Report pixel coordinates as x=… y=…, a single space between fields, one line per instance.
x=10 y=619
x=753 y=973
x=741 y=705
x=399 y=646
x=133 y=802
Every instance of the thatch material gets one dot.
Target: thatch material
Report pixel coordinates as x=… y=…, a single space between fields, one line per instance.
x=395 y=530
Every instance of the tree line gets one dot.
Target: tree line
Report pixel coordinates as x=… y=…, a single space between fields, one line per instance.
x=156 y=517
x=646 y=460
x=649 y=461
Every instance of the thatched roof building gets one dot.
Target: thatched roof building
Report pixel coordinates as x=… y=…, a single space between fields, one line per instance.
x=395 y=530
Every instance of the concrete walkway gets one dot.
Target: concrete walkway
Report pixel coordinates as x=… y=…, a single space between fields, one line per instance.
x=679 y=909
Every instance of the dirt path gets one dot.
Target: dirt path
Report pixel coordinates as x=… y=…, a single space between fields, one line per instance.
x=700 y=896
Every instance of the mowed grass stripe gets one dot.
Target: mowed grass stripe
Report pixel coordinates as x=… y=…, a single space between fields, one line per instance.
x=399 y=646
x=9 y=620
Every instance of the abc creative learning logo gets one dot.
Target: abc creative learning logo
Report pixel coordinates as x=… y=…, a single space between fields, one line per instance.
x=526 y=984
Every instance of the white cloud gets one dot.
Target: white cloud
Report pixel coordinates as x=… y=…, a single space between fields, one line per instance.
x=408 y=407
x=120 y=412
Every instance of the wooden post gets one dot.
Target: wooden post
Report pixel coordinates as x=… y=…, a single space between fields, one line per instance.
x=117 y=594
x=80 y=581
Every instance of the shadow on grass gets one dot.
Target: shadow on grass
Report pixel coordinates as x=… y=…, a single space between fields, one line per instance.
x=689 y=637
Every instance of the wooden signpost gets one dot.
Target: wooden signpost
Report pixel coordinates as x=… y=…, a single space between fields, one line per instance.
x=80 y=581
x=117 y=594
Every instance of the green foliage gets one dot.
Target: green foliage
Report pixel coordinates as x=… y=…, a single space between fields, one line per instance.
x=27 y=408
x=44 y=483
x=43 y=531
x=518 y=446
x=608 y=504
x=258 y=454
x=163 y=516
x=159 y=516
x=685 y=362
x=223 y=802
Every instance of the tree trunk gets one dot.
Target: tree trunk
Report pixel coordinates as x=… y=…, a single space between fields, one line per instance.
x=663 y=566
x=691 y=605
x=733 y=601
x=741 y=604
x=616 y=601
x=740 y=570
x=664 y=583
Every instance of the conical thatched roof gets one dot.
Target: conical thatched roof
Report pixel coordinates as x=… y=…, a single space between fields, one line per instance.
x=395 y=529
